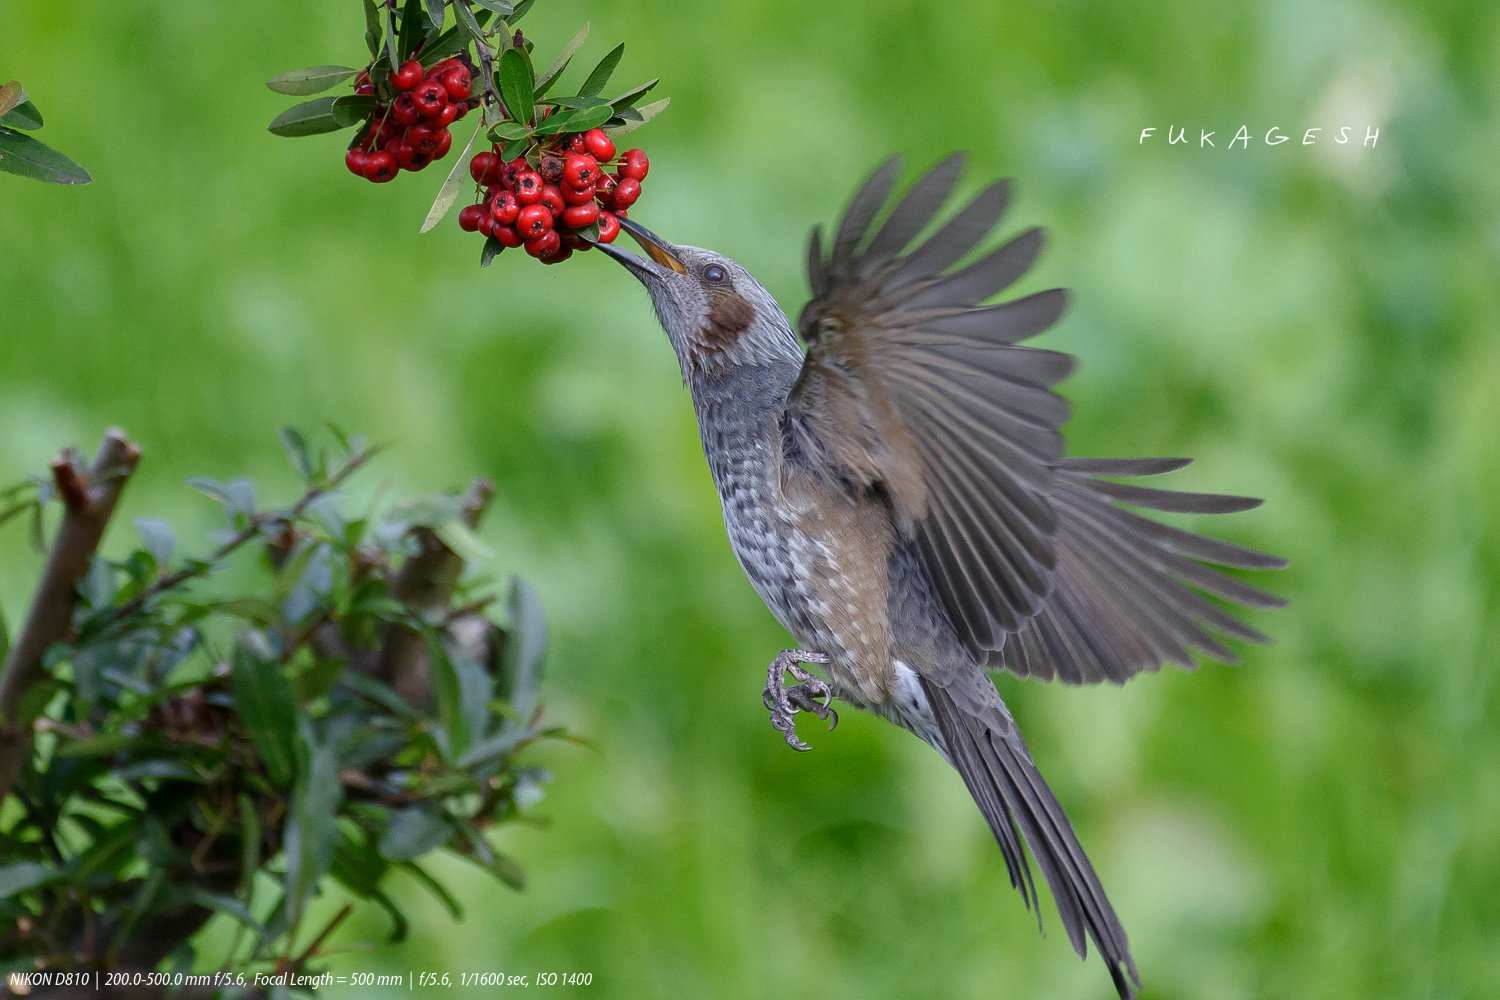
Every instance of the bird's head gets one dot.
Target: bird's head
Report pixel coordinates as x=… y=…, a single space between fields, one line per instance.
x=714 y=311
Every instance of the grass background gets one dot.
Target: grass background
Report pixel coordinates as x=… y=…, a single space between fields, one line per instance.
x=1317 y=324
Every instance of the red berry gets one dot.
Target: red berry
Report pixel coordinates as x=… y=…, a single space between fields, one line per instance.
x=552 y=197
x=408 y=76
x=634 y=164
x=430 y=98
x=511 y=169
x=469 y=216
x=364 y=89
x=545 y=245
x=447 y=116
x=570 y=145
x=423 y=138
x=577 y=196
x=599 y=145
x=533 y=220
x=580 y=171
x=503 y=207
x=626 y=192
x=480 y=165
x=506 y=235
x=355 y=161
x=579 y=216
x=557 y=256
x=609 y=227
x=487 y=224
x=404 y=112
x=528 y=187
x=411 y=157
x=458 y=83
x=445 y=143
x=573 y=241
x=605 y=189
x=380 y=167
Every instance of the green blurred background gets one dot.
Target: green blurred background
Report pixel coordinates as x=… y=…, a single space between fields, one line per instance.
x=1317 y=324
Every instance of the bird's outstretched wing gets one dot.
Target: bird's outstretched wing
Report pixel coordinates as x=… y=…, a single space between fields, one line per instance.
x=1129 y=592
x=913 y=388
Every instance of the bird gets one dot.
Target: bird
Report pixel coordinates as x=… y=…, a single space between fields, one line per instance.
x=894 y=484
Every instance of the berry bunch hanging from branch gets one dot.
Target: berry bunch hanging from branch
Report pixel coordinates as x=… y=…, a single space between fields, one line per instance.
x=549 y=177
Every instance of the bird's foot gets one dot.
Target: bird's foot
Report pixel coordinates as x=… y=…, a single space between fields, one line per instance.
x=785 y=702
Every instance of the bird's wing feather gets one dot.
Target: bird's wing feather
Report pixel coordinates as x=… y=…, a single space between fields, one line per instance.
x=913 y=388
x=1129 y=593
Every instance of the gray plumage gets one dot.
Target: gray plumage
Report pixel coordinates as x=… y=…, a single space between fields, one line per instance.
x=898 y=496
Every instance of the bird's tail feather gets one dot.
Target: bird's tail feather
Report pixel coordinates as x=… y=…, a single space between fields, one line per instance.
x=998 y=770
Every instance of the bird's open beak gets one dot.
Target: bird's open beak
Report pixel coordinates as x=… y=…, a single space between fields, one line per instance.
x=656 y=248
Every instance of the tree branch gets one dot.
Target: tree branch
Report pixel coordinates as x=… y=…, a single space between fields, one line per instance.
x=426 y=582
x=89 y=497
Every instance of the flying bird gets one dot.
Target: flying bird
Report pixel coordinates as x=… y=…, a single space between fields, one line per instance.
x=897 y=493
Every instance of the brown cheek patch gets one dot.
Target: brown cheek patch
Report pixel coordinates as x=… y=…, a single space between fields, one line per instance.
x=729 y=316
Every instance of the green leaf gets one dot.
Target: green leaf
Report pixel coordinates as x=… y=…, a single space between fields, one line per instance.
x=312 y=823
x=11 y=95
x=601 y=73
x=102 y=745
x=509 y=130
x=580 y=102
x=587 y=118
x=520 y=12
x=501 y=7
x=22 y=155
x=221 y=903
x=450 y=701
x=381 y=694
x=312 y=80
x=452 y=187
x=412 y=832
x=17 y=878
x=515 y=80
x=507 y=870
x=460 y=539
x=411 y=29
x=4 y=637
x=562 y=121
x=465 y=17
x=436 y=888
x=525 y=649
x=388 y=18
x=295 y=446
x=638 y=117
x=24 y=115
x=630 y=97
x=249 y=844
x=264 y=698
x=158 y=537
x=492 y=248
x=312 y=117
x=351 y=109
x=372 y=27
x=435 y=12
x=512 y=149
x=561 y=62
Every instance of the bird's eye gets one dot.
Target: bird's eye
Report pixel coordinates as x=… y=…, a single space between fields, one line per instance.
x=714 y=273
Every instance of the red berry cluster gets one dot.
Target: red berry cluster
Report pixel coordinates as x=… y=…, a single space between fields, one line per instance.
x=545 y=203
x=412 y=130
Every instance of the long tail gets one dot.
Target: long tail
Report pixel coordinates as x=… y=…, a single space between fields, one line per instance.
x=987 y=748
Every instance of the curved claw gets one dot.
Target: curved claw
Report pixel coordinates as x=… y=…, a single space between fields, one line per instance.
x=784 y=703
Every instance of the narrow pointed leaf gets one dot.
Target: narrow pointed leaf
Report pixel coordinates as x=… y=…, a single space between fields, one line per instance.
x=435 y=10
x=501 y=7
x=601 y=73
x=22 y=155
x=372 y=28
x=389 y=18
x=265 y=703
x=520 y=11
x=561 y=62
x=492 y=248
x=312 y=80
x=630 y=97
x=352 y=109
x=466 y=17
x=411 y=29
x=308 y=118
x=516 y=84
x=634 y=118
x=24 y=115
x=451 y=188
x=509 y=130
x=588 y=118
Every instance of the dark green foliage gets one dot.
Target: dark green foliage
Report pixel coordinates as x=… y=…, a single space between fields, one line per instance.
x=248 y=721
